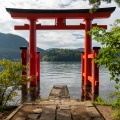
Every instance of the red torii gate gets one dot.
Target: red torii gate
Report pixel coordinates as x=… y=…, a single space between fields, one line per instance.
x=60 y=17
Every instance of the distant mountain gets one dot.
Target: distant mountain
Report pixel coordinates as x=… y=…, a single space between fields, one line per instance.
x=80 y=49
x=51 y=49
x=10 y=46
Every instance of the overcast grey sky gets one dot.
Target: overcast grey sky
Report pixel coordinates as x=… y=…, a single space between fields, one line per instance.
x=51 y=39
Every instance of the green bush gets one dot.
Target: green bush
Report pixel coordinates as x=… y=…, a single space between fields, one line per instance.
x=10 y=80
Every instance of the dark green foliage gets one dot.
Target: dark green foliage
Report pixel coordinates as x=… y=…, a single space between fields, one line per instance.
x=7 y=108
x=100 y=101
x=96 y=3
x=118 y=2
x=62 y=55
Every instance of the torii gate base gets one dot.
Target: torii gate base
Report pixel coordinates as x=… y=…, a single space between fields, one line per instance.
x=34 y=93
x=91 y=91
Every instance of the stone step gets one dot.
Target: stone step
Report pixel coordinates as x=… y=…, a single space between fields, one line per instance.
x=63 y=114
x=48 y=113
x=93 y=113
x=59 y=92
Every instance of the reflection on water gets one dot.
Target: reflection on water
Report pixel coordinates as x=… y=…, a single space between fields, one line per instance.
x=69 y=73
x=30 y=93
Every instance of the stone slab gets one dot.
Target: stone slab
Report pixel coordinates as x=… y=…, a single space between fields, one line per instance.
x=64 y=107
x=76 y=103
x=59 y=91
x=93 y=112
x=63 y=115
x=88 y=104
x=65 y=103
x=48 y=113
x=48 y=103
x=79 y=113
x=33 y=116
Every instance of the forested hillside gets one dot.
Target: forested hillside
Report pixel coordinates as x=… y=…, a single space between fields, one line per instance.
x=10 y=46
x=62 y=55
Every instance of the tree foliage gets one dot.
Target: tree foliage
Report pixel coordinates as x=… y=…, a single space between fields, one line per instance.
x=97 y=3
x=110 y=52
x=62 y=55
x=110 y=57
x=10 y=80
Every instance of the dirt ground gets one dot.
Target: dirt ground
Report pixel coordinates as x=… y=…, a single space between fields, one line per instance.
x=5 y=113
x=105 y=111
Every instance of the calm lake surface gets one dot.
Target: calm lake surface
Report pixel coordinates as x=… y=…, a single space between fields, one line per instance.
x=69 y=73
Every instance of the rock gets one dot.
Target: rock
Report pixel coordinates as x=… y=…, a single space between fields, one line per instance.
x=33 y=116
x=88 y=104
x=37 y=111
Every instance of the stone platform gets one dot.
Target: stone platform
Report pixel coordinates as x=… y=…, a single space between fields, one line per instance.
x=59 y=92
x=58 y=107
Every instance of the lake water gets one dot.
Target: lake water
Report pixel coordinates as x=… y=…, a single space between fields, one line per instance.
x=69 y=73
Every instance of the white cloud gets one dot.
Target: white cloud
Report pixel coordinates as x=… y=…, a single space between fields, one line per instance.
x=49 y=39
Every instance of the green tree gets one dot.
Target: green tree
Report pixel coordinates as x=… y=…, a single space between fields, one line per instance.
x=97 y=3
x=10 y=80
x=62 y=55
x=110 y=57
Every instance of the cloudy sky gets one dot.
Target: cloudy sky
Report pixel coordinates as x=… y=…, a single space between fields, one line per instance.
x=51 y=39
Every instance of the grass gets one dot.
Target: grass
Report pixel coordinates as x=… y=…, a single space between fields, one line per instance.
x=3 y=108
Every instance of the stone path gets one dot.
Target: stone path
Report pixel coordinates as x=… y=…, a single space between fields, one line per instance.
x=65 y=109
x=58 y=107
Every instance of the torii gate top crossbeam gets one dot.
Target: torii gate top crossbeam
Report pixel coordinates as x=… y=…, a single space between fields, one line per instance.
x=59 y=13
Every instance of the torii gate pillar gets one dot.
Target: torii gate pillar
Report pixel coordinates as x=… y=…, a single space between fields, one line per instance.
x=32 y=52
x=87 y=50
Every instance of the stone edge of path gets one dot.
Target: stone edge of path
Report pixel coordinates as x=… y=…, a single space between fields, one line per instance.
x=14 y=112
x=92 y=111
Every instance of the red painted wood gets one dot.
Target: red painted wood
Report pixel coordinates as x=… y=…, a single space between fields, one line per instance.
x=87 y=50
x=32 y=52
x=90 y=56
x=52 y=27
x=82 y=64
x=97 y=15
x=95 y=73
x=38 y=66
x=24 y=59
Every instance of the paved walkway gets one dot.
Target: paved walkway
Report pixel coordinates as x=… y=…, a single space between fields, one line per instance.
x=58 y=107
x=65 y=109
